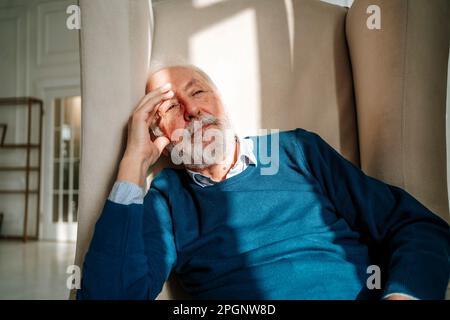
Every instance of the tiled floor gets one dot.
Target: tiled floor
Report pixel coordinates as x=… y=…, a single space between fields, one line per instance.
x=35 y=270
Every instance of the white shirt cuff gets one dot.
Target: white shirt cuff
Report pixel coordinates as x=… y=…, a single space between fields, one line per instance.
x=124 y=192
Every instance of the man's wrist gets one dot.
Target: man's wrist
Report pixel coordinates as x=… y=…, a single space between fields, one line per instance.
x=133 y=169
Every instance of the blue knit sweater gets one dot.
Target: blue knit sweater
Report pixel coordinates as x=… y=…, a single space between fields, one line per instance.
x=308 y=232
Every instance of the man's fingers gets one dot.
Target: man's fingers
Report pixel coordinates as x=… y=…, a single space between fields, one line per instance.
x=163 y=89
x=166 y=104
x=161 y=143
x=151 y=105
x=154 y=93
x=149 y=114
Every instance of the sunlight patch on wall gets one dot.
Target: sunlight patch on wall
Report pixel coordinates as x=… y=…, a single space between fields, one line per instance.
x=290 y=21
x=228 y=52
x=204 y=3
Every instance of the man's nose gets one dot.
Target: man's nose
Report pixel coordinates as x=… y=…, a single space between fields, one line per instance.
x=191 y=110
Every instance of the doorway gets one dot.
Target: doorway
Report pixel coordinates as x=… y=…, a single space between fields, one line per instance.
x=66 y=163
x=61 y=163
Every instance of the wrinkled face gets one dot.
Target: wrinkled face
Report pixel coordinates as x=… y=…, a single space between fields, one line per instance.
x=193 y=96
x=196 y=106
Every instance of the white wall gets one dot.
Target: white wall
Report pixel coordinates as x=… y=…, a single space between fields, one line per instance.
x=38 y=57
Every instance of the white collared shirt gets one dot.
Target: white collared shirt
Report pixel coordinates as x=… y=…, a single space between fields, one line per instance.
x=245 y=158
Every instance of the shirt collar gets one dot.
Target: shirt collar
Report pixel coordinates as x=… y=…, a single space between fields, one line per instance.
x=246 y=150
x=246 y=156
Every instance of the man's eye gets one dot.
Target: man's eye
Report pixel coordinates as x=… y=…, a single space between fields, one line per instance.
x=197 y=92
x=172 y=106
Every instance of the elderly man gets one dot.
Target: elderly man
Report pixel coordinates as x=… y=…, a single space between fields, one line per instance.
x=318 y=228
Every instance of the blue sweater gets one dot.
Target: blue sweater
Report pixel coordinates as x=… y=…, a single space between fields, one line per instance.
x=308 y=232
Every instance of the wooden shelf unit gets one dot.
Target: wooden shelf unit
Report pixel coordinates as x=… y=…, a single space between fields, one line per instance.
x=29 y=102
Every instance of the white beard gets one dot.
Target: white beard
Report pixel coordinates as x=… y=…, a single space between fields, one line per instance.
x=192 y=151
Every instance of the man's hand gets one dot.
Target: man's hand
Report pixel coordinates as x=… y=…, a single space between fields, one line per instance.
x=141 y=152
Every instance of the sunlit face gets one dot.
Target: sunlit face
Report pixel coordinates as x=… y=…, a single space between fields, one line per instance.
x=195 y=106
x=193 y=96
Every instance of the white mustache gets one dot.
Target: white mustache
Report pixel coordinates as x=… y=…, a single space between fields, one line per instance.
x=205 y=119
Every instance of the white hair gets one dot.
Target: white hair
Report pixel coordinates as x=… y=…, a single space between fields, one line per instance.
x=158 y=65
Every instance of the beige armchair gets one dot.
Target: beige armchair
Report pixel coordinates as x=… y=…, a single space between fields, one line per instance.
x=377 y=96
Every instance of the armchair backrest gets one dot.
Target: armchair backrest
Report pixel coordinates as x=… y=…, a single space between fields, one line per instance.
x=278 y=64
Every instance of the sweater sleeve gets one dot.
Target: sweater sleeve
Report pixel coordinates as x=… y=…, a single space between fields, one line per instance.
x=414 y=242
x=132 y=251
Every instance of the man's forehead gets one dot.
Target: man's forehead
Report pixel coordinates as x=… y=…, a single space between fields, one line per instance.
x=178 y=77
